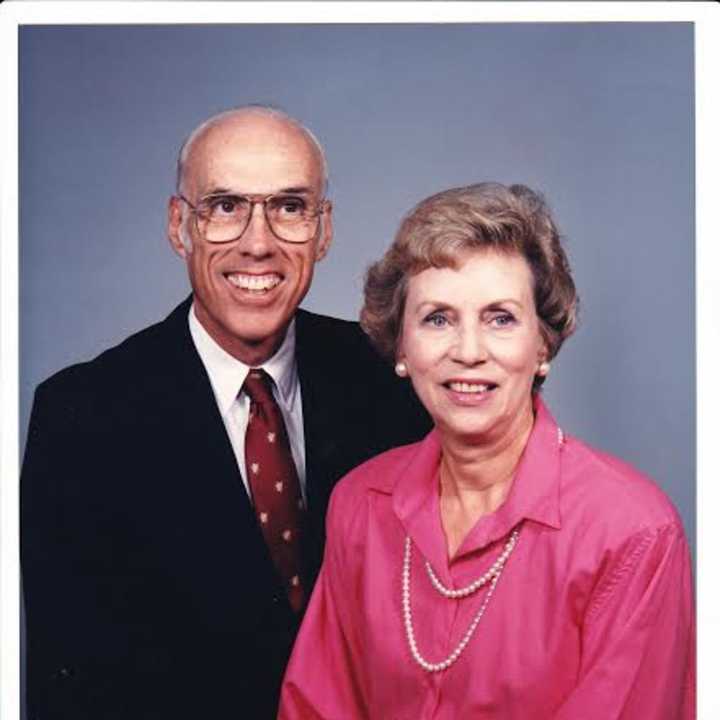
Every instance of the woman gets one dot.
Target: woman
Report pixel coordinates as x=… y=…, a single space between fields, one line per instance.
x=500 y=568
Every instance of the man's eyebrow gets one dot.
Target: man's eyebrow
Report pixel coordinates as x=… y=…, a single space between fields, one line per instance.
x=218 y=191
x=299 y=190
x=294 y=191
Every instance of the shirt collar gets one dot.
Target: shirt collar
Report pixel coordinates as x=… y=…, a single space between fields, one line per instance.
x=227 y=373
x=534 y=494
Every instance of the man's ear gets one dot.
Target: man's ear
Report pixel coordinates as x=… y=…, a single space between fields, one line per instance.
x=174 y=226
x=326 y=232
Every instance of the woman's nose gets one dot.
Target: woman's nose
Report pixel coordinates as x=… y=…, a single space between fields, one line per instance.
x=469 y=346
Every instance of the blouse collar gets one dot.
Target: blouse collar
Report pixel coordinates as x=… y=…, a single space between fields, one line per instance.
x=534 y=493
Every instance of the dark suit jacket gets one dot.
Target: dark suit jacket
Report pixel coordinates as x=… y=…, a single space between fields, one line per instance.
x=149 y=591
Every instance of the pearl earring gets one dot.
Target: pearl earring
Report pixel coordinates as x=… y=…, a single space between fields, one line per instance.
x=544 y=368
x=401 y=369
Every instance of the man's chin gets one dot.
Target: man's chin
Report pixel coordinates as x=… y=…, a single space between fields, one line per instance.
x=260 y=337
x=255 y=325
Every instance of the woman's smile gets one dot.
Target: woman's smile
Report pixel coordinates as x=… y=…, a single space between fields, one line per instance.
x=472 y=345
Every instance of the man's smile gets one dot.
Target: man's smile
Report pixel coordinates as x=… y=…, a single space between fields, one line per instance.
x=259 y=284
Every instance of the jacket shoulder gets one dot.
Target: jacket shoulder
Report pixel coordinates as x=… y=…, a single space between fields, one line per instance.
x=340 y=352
x=140 y=350
x=332 y=332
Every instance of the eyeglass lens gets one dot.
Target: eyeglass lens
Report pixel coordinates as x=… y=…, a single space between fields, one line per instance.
x=226 y=218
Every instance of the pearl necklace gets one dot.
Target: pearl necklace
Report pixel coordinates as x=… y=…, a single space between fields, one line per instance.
x=494 y=571
x=492 y=575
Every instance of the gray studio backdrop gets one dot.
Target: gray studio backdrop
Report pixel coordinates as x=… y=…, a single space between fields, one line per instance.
x=597 y=116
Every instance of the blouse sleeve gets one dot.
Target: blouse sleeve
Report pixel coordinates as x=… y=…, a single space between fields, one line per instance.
x=638 y=650
x=322 y=682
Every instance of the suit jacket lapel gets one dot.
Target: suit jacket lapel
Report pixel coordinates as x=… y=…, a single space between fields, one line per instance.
x=322 y=399
x=325 y=406
x=201 y=455
x=186 y=390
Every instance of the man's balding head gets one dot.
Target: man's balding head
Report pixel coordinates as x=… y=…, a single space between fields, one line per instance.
x=249 y=117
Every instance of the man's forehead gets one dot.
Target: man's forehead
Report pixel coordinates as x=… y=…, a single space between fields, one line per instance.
x=252 y=134
x=242 y=146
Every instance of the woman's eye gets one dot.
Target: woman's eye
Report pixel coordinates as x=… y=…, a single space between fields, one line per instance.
x=436 y=320
x=502 y=320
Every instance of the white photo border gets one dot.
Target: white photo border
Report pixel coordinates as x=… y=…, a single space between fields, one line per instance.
x=706 y=19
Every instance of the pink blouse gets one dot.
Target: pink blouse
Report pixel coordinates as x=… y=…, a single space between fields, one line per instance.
x=591 y=619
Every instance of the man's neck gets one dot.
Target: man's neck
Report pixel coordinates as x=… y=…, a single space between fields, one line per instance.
x=252 y=353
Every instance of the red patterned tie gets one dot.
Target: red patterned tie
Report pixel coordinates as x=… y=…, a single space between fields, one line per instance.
x=274 y=482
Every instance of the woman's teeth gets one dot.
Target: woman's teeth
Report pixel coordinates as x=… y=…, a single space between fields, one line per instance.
x=468 y=387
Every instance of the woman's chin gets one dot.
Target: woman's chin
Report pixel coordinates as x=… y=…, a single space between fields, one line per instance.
x=471 y=432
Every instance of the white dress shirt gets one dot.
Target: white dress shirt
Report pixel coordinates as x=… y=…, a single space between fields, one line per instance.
x=227 y=375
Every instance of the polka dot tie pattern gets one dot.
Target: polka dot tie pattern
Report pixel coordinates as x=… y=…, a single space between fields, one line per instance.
x=274 y=483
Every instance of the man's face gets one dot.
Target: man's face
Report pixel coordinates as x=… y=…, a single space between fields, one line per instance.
x=247 y=291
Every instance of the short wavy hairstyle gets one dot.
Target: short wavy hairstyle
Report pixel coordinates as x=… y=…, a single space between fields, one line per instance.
x=443 y=228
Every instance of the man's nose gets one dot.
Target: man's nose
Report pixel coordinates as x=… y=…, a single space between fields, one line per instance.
x=469 y=346
x=258 y=239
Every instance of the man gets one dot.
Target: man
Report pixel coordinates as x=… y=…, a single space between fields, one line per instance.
x=174 y=489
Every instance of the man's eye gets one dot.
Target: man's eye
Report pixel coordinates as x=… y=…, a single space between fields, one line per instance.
x=289 y=206
x=225 y=206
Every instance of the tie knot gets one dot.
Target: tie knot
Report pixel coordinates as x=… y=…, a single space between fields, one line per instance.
x=258 y=386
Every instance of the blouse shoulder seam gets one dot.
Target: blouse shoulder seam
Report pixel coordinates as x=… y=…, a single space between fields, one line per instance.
x=646 y=537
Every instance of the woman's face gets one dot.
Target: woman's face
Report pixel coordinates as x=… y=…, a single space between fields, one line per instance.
x=472 y=345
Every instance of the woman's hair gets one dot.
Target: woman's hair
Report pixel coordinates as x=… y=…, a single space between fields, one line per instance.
x=440 y=230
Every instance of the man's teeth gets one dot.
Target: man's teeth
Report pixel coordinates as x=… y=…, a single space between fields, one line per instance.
x=468 y=387
x=254 y=282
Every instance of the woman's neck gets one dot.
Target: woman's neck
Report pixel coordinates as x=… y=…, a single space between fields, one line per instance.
x=475 y=478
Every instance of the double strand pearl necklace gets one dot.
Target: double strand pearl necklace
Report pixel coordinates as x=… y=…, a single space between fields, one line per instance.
x=494 y=572
x=492 y=576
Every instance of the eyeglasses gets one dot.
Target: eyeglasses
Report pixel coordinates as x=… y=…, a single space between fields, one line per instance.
x=224 y=218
